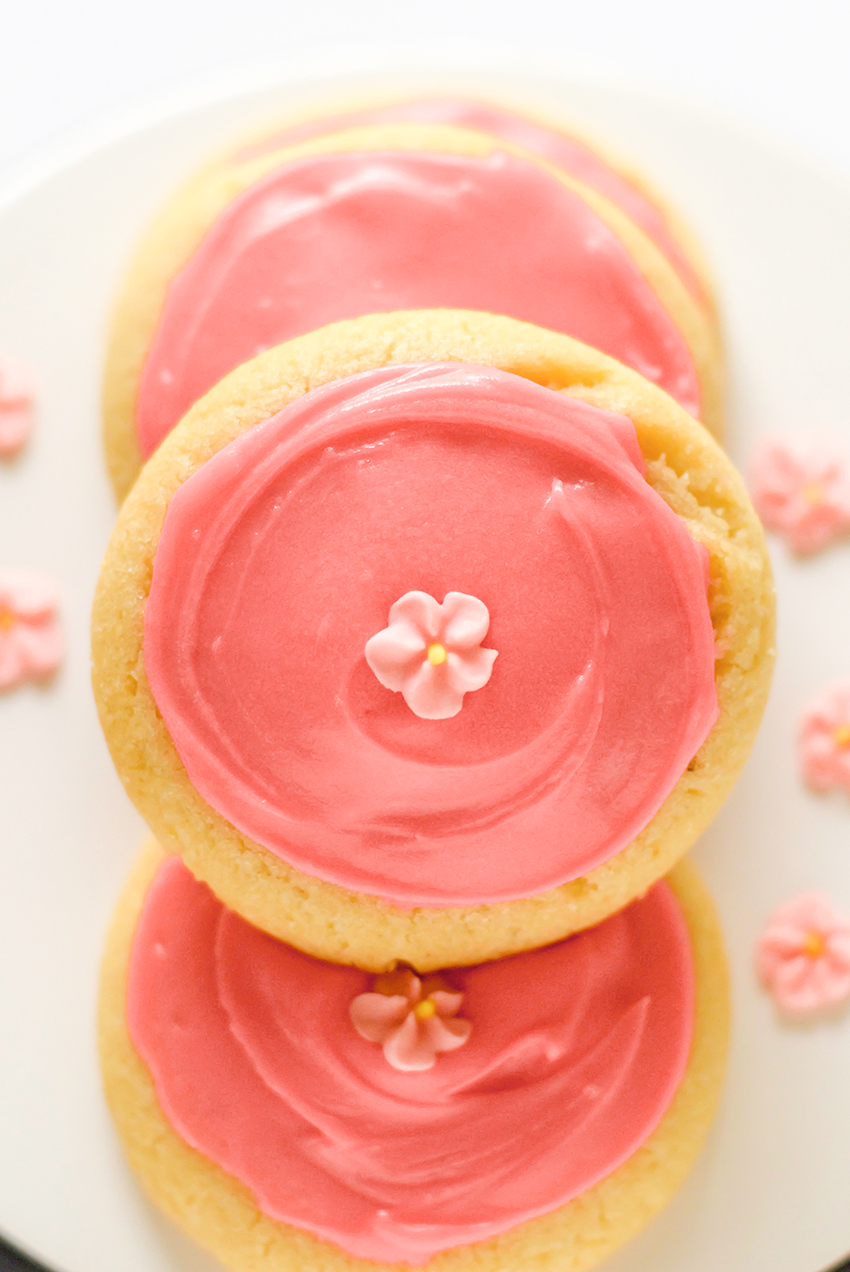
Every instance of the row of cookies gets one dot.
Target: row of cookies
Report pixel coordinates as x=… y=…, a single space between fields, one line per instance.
x=420 y=995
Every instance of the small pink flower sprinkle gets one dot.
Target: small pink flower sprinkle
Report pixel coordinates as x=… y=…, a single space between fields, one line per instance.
x=16 y=398
x=413 y=1020
x=803 y=956
x=431 y=654
x=801 y=489
x=825 y=739
x=31 y=645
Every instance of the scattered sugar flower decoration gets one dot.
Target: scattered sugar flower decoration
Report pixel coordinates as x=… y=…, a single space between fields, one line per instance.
x=825 y=739
x=412 y=1019
x=31 y=645
x=801 y=489
x=431 y=653
x=16 y=398
x=803 y=956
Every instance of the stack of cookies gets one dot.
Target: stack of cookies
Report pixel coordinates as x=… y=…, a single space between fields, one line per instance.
x=433 y=631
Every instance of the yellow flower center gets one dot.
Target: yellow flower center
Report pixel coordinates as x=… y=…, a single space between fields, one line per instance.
x=841 y=735
x=7 y=619
x=813 y=945
x=814 y=493
x=436 y=654
x=425 y=1009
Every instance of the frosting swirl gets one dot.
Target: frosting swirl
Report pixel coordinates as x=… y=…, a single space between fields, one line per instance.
x=573 y=1057
x=281 y=556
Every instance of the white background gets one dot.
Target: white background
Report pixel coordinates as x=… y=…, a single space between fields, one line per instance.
x=781 y=65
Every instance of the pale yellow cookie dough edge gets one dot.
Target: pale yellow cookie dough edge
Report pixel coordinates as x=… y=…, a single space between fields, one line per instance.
x=220 y=1214
x=685 y=466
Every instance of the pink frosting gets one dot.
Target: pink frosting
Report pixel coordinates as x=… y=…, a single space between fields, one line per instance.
x=31 y=644
x=566 y=152
x=431 y=653
x=282 y=555
x=413 y=1021
x=341 y=235
x=803 y=955
x=801 y=489
x=825 y=739
x=16 y=400
x=574 y=1054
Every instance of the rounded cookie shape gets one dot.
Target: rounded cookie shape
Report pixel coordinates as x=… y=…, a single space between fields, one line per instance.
x=526 y=736
x=388 y=216
x=483 y=1160
x=408 y=760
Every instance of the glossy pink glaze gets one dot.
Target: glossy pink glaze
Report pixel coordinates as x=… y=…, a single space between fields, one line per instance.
x=574 y=1055
x=282 y=555
x=342 y=235
x=567 y=153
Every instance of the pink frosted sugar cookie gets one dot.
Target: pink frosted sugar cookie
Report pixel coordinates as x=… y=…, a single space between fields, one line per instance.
x=31 y=645
x=16 y=398
x=803 y=955
x=825 y=739
x=265 y=1120
x=556 y=689
x=801 y=490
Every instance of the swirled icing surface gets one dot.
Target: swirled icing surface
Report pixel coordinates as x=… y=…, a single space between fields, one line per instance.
x=567 y=152
x=281 y=556
x=342 y=235
x=574 y=1055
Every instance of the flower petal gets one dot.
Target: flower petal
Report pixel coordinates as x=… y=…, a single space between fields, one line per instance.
x=395 y=654
x=807 y=912
x=446 y=1002
x=409 y=1048
x=377 y=1016
x=465 y=621
x=28 y=593
x=838 y=950
x=446 y=1035
x=12 y=665
x=430 y=694
x=471 y=670
x=14 y=426
x=421 y=611
x=784 y=939
x=41 y=647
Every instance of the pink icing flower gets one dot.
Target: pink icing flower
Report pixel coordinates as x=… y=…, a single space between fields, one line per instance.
x=431 y=653
x=803 y=955
x=801 y=489
x=31 y=645
x=825 y=739
x=16 y=396
x=412 y=1019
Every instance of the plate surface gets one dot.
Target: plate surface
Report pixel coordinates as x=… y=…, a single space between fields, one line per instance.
x=771 y=1188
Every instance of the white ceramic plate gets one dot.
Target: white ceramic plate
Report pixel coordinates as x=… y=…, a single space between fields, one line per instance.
x=771 y=1190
